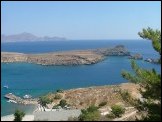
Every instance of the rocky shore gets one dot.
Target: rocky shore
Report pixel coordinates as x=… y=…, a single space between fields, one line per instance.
x=76 y=57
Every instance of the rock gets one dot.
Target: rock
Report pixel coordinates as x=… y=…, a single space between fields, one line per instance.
x=137 y=56
x=152 y=60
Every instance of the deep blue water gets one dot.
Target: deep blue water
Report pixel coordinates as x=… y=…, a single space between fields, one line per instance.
x=25 y=78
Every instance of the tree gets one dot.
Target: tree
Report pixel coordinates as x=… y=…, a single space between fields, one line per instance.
x=59 y=90
x=18 y=115
x=154 y=36
x=90 y=114
x=44 y=101
x=102 y=104
x=117 y=110
x=62 y=103
x=149 y=80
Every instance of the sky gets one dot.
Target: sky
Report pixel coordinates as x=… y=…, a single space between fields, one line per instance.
x=80 y=19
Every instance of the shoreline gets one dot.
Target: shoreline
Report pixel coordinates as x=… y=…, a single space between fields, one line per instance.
x=96 y=93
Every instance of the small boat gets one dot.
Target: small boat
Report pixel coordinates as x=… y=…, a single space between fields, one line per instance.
x=27 y=96
x=5 y=86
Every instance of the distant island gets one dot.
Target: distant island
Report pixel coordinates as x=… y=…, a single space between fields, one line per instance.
x=28 y=37
x=75 y=57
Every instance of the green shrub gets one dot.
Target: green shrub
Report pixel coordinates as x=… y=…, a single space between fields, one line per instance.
x=18 y=115
x=102 y=104
x=58 y=96
x=110 y=116
x=90 y=114
x=44 y=100
x=63 y=103
x=125 y=94
x=117 y=110
x=59 y=90
x=92 y=108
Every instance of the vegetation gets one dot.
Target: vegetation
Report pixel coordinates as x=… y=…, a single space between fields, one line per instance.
x=18 y=115
x=90 y=114
x=149 y=80
x=63 y=103
x=59 y=90
x=110 y=116
x=44 y=101
x=117 y=110
x=127 y=97
x=154 y=36
x=102 y=104
x=58 y=96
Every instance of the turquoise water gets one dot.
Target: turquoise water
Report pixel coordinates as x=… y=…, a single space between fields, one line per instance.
x=25 y=78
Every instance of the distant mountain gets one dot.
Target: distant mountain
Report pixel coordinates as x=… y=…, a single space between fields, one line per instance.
x=28 y=37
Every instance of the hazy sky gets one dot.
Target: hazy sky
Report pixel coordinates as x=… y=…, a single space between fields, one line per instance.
x=80 y=20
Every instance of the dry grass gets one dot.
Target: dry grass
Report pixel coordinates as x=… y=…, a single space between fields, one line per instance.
x=84 y=97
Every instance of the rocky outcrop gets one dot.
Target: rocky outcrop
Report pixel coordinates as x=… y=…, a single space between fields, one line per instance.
x=119 y=50
x=19 y=100
x=136 y=56
x=76 y=57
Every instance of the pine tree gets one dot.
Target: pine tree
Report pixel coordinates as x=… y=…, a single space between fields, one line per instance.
x=154 y=36
x=149 y=80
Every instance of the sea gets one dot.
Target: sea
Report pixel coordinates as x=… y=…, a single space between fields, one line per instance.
x=37 y=80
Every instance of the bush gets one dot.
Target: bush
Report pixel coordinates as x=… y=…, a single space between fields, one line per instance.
x=18 y=115
x=117 y=110
x=59 y=90
x=110 y=116
x=62 y=103
x=58 y=96
x=44 y=100
x=102 y=104
x=125 y=94
x=90 y=114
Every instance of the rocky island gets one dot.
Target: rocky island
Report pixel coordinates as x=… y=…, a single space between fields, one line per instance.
x=136 y=56
x=75 y=57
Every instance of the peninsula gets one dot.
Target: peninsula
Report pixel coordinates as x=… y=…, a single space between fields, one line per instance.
x=75 y=57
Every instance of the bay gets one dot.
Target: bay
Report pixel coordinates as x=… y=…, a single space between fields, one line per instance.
x=37 y=80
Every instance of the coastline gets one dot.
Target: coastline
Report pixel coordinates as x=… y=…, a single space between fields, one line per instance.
x=109 y=92
x=75 y=57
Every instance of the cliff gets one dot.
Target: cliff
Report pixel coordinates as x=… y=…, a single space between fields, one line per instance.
x=75 y=57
